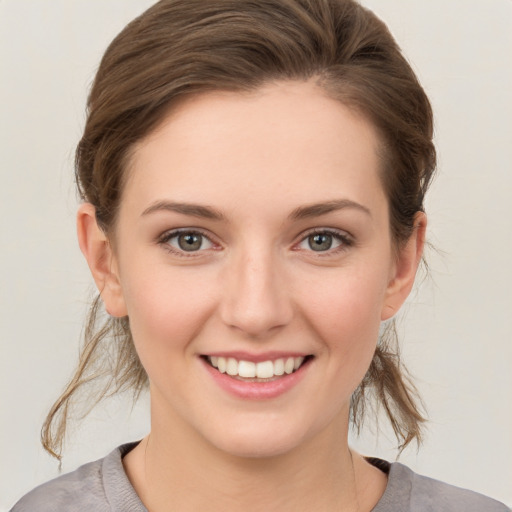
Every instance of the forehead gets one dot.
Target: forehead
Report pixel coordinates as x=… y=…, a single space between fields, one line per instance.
x=286 y=138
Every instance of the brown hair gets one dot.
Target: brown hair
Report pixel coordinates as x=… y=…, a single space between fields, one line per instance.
x=179 y=48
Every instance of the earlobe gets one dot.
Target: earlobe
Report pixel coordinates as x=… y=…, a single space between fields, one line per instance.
x=404 y=271
x=97 y=250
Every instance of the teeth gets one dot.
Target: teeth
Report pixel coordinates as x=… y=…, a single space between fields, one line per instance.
x=279 y=367
x=262 y=370
x=232 y=366
x=265 y=370
x=288 y=366
x=222 y=364
x=246 y=369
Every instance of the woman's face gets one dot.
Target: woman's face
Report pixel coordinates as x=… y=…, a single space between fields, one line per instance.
x=253 y=234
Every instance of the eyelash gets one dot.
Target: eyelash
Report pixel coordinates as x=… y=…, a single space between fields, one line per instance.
x=344 y=238
x=164 y=239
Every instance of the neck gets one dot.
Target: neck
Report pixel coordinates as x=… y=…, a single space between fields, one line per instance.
x=181 y=468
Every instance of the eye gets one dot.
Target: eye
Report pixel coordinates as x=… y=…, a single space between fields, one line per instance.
x=325 y=241
x=186 y=241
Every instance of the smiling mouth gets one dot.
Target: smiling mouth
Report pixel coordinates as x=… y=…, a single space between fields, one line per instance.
x=257 y=372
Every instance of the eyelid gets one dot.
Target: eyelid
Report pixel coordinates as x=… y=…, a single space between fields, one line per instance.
x=346 y=240
x=164 y=238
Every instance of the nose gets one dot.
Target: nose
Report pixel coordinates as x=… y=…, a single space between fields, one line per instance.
x=256 y=298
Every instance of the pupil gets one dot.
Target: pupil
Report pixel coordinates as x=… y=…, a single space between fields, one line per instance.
x=320 y=242
x=189 y=242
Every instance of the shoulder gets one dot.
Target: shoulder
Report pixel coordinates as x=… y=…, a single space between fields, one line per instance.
x=78 y=490
x=409 y=492
x=100 y=486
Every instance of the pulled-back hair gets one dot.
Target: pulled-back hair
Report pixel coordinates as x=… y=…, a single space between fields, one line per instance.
x=179 y=48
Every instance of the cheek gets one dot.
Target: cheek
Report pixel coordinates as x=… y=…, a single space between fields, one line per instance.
x=165 y=306
x=346 y=315
x=347 y=302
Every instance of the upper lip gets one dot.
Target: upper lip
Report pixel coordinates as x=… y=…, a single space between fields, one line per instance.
x=256 y=358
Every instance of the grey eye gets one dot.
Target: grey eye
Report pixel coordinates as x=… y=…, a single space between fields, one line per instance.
x=190 y=241
x=324 y=241
x=320 y=242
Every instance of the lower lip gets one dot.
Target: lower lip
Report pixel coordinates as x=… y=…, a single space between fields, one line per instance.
x=252 y=390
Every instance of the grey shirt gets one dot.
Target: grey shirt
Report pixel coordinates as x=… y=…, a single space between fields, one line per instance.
x=102 y=486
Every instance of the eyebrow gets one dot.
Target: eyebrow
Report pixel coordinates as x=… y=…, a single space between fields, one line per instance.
x=318 y=209
x=300 y=213
x=195 y=210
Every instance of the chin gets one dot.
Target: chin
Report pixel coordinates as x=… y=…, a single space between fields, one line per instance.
x=256 y=441
x=260 y=449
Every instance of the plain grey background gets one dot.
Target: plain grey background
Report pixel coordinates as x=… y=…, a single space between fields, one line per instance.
x=457 y=327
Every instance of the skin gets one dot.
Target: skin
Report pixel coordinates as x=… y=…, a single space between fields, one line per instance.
x=255 y=285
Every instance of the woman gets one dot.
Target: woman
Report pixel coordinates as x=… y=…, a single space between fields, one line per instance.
x=253 y=177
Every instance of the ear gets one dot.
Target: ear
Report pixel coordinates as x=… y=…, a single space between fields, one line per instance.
x=404 y=270
x=96 y=248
